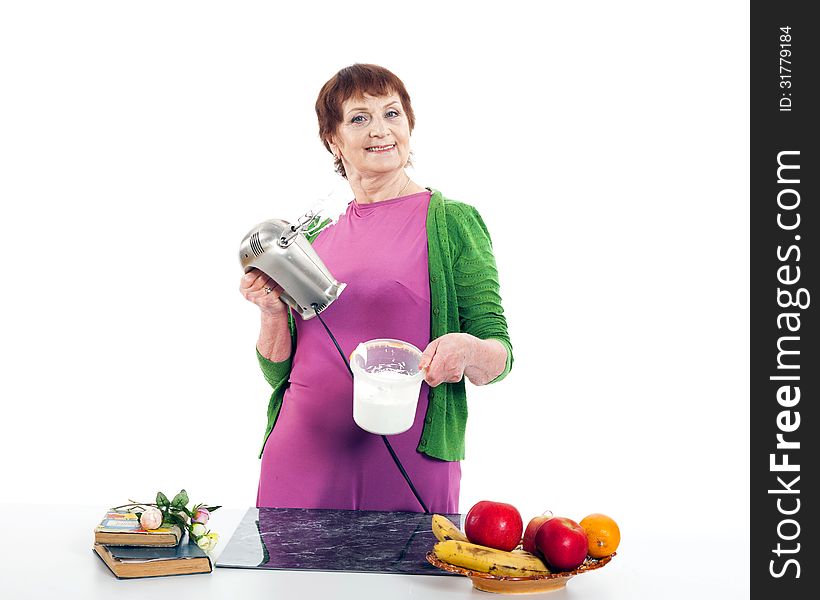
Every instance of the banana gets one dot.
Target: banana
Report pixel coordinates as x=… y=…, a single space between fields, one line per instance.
x=489 y=560
x=444 y=529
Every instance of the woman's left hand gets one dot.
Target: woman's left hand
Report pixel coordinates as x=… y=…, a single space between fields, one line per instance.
x=447 y=357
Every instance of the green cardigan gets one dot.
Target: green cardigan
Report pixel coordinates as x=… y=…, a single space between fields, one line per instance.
x=464 y=298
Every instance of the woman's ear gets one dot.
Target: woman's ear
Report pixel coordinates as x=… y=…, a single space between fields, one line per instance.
x=334 y=149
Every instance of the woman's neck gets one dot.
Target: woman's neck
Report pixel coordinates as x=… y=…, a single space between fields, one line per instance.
x=382 y=186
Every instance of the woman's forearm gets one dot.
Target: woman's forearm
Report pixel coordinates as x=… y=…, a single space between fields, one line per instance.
x=274 y=337
x=487 y=361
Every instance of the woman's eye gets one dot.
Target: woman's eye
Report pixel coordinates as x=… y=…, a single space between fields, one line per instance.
x=392 y=113
x=358 y=119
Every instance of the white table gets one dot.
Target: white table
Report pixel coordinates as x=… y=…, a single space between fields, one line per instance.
x=45 y=552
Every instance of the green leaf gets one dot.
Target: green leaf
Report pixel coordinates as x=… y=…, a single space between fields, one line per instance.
x=162 y=499
x=177 y=520
x=213 y=508
x=139 y=515
x=180 y=500
x=182 y=513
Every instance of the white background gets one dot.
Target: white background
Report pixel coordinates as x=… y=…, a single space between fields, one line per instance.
x=605 y=143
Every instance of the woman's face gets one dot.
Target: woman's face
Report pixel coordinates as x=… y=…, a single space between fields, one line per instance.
x=373 y=137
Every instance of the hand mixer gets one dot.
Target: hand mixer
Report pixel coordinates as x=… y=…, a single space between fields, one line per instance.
x=283 y=253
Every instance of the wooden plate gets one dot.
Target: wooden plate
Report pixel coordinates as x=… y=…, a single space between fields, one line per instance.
x=519 y=585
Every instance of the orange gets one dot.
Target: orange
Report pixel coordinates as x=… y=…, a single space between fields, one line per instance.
x=603 y=535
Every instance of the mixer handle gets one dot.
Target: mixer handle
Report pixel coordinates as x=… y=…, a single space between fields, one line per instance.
x=288 y=235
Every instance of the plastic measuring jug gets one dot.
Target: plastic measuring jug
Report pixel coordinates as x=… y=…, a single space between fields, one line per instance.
x=386 y=385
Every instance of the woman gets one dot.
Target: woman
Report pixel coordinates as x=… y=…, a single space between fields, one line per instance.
x=418 y=268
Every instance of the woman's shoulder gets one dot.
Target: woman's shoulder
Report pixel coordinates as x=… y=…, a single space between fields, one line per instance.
x=461 y=220
x=454 y=209
x=458 y=215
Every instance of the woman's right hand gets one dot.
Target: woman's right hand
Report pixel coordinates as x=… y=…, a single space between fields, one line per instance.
x=254 y=285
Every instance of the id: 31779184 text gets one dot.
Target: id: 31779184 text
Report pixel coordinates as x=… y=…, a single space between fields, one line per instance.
x=785 y=69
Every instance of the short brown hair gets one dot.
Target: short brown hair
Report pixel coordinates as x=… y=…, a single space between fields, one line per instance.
x=353 y=82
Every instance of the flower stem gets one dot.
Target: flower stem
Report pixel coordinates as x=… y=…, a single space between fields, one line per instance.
x=133 y=504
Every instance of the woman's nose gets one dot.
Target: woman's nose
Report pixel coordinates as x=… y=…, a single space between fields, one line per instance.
x=378 y=128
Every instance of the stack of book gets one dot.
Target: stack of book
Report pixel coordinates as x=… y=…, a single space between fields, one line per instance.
x=131 y=551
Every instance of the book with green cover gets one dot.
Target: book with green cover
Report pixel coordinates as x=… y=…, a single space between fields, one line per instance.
x=122 y=528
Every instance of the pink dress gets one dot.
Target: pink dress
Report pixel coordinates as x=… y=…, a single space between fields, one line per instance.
x=316 y=455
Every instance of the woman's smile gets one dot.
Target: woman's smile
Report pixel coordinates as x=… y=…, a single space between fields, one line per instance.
x=381 y=149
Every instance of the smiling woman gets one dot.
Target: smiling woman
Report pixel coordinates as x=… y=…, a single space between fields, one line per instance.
x=357 y=82
x=366 y=123
x=372 y=140
x=418 y=268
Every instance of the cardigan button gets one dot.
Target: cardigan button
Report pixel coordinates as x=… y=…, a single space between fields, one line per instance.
x=428 y=419
x=434 y=278
x=436 y=310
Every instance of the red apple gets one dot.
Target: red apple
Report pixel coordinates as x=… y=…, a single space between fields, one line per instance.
x=530 y=531
x=562 y=542
x=495 y=524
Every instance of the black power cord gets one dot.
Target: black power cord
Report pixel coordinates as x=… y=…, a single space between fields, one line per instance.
x=315 y=308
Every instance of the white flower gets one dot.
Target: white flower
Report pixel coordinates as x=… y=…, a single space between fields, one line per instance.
x=208 y=542
x=151 y=518
x=198 y=530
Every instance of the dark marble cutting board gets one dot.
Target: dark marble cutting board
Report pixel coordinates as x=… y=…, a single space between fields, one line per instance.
x=333 y=540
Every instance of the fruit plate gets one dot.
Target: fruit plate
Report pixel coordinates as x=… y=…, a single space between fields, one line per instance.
x=534 y=584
